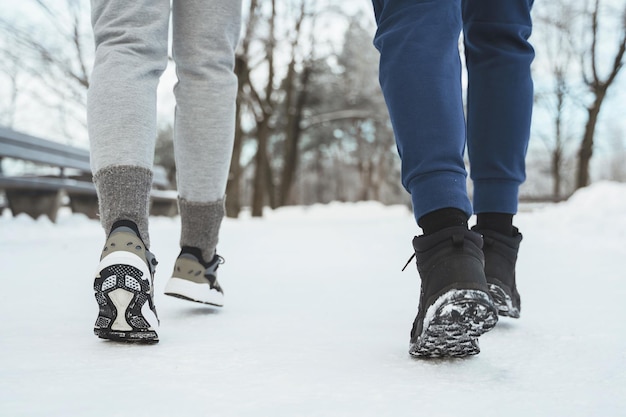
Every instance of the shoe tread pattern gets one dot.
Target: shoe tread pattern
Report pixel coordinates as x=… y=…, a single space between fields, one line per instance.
x=503 y=302
x=127 y=278
x=459 y=319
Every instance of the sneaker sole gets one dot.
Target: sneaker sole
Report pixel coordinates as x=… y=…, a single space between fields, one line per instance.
x=191 y=291
x=453 y=324
x=503 y=302
x=120 y=287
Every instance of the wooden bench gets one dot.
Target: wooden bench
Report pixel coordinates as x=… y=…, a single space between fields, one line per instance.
x=44 y=194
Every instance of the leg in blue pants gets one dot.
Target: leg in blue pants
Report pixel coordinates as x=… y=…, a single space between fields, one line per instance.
x=499 y=100
x=466 y=280
x=420 y=76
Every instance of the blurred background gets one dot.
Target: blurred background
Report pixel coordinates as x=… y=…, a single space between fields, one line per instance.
x=312 y=126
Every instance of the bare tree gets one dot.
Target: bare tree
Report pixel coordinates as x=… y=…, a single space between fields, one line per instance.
x=274 y=97
x=242 y=70
x=53 y=55
x=597 y=84
x=316 y=120
x=555 y=22
x=296 y=89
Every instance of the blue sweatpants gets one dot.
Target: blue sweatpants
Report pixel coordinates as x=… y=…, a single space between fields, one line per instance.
x=420 y=76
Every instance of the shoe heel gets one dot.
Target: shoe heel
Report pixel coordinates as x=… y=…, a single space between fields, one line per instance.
x=453 y=324
x=122 y=290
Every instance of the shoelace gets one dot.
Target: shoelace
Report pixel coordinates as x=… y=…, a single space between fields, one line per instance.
x=408 y=262
x=457 y=239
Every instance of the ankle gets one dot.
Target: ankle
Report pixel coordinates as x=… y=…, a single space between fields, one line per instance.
x=200 y=225
x=497 y=222
x=124 y=193
x=442 y=219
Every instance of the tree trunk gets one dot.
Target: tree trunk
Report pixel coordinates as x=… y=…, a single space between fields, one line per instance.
x=294 y=133
x=365 y=173
x=586 y=147
x=259 y=184
x=599 y=88
x=270 y=188
x=557 y=153
x=556 y=175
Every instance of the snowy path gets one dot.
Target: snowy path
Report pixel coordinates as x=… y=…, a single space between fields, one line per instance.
x=316 y=322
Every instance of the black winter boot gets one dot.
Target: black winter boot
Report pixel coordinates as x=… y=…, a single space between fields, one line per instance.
x=454 y=307
x=500 y=257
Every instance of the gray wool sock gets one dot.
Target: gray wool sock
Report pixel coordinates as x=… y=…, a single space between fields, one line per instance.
x=200 y=225
x=124 y=194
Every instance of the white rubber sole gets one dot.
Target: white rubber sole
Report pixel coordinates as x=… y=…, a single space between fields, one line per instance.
x=192 y=291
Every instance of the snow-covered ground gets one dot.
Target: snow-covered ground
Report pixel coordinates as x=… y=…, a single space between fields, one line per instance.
x=316 y=322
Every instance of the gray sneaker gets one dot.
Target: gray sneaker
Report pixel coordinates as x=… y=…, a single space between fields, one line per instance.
x=196 y=280
x=124 y=289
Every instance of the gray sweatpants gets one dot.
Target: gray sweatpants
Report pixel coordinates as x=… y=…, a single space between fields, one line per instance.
x=131 y=40
x=131 y=53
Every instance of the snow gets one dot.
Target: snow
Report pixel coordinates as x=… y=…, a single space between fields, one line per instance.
x=317 y=321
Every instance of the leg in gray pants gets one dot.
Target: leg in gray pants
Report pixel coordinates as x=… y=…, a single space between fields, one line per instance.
x=131 y=54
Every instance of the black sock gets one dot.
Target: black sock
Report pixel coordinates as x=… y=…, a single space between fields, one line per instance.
x=498 y=222
x=441 y=219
